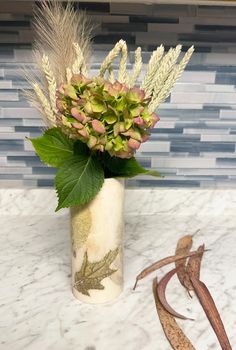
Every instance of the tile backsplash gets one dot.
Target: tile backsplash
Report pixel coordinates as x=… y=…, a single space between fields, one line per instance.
x=193 y=145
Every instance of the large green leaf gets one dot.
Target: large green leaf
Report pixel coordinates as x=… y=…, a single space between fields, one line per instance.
x=126 y=167
x=81 y=148
x=78 y=180
x=54 y=147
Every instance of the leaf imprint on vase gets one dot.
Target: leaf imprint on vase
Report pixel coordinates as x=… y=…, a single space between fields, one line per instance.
x=92 y=273
x=81 y=222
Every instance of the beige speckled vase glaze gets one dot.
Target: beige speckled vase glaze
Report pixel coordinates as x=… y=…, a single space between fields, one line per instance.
x=96 y=231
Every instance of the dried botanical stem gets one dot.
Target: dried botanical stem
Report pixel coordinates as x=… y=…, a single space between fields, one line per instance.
x=183 y=63
x=173 y=332
x=153 y=64
x=111 y=77
x=110 y=57
x=167 y=64
x=193 y=268
x=68 y=74
x=137 y=67
x=51 y=81
x=56 y=29
x=45 y=104
x=170 y=81
x=160 y=263
x=79 y=65
x=184 y=246
x=122 y=73
x=161 y=291
x=165 y=92
x=211 y=312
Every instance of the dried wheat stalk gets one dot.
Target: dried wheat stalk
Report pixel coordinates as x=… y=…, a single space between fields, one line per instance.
x=137 y=67
x=51 y=81
x=152 y=67
x=171 y=79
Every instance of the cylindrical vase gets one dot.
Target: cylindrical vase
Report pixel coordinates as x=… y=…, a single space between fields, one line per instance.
x=97 y=235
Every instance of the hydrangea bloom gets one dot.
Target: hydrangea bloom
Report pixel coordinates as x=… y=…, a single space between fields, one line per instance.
x=106 y=116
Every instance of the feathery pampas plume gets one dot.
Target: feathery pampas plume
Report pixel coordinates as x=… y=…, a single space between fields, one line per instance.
x=61 y=47
x=57 y=29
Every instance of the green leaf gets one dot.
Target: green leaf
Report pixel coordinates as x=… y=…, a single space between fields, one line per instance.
x=78 y=180
x=81 y=148
x=126 y=167
x=110 y=119
x=54 y=147
x=91 y=274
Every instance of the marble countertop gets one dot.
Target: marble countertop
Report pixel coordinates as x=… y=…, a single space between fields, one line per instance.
x=38 y=311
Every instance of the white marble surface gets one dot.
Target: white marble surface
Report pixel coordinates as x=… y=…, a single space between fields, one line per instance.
x=37 y=309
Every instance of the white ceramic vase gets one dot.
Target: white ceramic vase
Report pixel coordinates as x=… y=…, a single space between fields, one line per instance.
x=96 y=232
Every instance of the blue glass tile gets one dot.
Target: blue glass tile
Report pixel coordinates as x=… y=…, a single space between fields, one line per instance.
x=45 y=183
x=11 y=145
x=42 y=170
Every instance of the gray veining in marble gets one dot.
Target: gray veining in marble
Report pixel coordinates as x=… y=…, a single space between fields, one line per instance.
x=37 y=308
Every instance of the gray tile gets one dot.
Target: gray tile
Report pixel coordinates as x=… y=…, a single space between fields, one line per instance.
x=14 y=135
x=198 y=77
x=130 y=9
x=9 y=95
x=155 y=147
x=204 y=97
x=20 y=113
x=5 y=84
x=170 y=27
x=183 y=162
x=10 y=145
x=228 y=115
x=13 y=170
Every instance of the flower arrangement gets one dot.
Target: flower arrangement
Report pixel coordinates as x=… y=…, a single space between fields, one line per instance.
x=105 y=116
x=95 y=124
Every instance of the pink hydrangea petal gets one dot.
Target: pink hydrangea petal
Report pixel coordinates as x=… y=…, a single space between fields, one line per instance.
x=154 y=119
x=98 y=126
x=77 y=114
x=77 y=125
x=139 y=121
x=117 y=86
x=133 y=144
x=83 y=132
